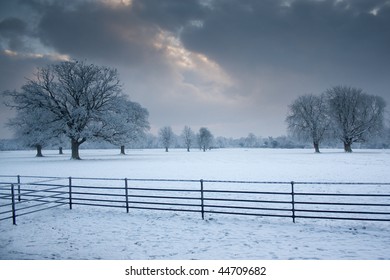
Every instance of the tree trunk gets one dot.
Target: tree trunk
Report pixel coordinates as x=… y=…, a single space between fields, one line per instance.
x=60 y=152
x=123 y=150
x=316 y=147
x=75 y=149
x=166 y=149
x=347 y=147
x=188 y=148
x=39 y=151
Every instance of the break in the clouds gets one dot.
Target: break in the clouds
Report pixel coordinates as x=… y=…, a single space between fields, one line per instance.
x=230 y=65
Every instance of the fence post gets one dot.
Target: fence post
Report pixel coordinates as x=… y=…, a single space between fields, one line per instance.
x=70 y=193
x=127 y=196
x=293 y=201
x=201 y=198
x=19 y=196
x=13 y=204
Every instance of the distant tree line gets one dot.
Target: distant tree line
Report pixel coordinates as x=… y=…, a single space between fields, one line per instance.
x=151 y=141
x=204 y=139
x=344 y=113
x=74 y=103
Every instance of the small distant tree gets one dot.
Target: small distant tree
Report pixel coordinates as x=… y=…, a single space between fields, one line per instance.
x=205 y=138
x=222 y=142
x=60 y=142
x=356 y=116
x=251 y=141
x=188 y=137
x=308 y=119
x=35 y=128
x=125 y=123
x=166 y=137
x=272 y=142
x=387 y=135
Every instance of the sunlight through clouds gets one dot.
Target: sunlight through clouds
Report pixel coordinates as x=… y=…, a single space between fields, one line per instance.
x=10 y=53
x=51 y=56
x=197 y=72
x=376 y=10
x=118 y=3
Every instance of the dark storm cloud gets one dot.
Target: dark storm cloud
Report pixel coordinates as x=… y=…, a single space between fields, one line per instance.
x=12 y=26
x=171 y=15
x=99 y=31
x=242 y=36
x=305 y=36
x=92 y=30
x=12 y=30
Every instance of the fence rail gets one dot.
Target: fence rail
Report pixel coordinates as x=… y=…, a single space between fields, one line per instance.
x=23 y=195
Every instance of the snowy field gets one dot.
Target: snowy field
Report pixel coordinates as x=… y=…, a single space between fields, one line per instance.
x=101 y=233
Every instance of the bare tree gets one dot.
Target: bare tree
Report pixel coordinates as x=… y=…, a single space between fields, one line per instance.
x=205 y=138
x=76 y=94
x=251 y=140
x=188 y=136
x=33 y=133
x=356 y=116
x=308 y=119
x=166 y=137
x=127 y=122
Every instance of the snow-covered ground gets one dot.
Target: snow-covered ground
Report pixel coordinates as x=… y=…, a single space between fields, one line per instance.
x=100 y=233
x=224 y=164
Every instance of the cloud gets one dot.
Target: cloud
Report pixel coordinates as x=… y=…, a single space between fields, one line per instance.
x=194 y=70
x=267 y=34
x=12 y=33
x=234 y=65
x=276 y=51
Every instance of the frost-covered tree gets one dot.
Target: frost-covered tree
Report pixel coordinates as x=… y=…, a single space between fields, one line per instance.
x=35 y=128
x=76 y=95
x=308 y=119
x=251 y=141
x=205 y=138
x=188 y=137
x=355 y=115
x=386 y=138
x=127 y=122
x=222 y=142
x=166 y=137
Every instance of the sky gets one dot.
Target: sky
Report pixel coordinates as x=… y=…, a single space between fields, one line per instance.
x=232 y=66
